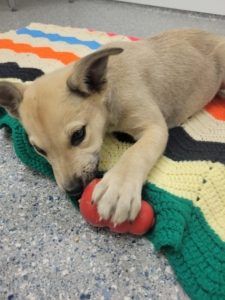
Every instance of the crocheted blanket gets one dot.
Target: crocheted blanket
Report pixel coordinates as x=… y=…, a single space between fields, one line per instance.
x=186 y=187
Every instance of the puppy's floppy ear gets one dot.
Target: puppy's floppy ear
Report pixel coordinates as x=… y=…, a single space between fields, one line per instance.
x=89 y=74
x=11 y=95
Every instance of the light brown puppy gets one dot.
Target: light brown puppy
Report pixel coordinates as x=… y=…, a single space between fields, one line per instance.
x=141 y=88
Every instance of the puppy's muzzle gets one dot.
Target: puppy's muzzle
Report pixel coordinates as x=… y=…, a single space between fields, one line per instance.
x=75 y=188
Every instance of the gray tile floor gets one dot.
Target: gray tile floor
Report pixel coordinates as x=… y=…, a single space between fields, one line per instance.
x=46 y=250
x=104 y=15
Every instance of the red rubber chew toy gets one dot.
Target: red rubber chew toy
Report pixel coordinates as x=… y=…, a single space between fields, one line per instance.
x=144 y=221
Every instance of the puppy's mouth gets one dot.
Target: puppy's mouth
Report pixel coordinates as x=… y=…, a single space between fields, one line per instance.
x=75 y=187
x=91 y=176
x=76 y=194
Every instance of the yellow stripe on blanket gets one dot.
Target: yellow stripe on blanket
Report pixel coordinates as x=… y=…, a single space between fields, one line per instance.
x=30 y=60
x=204 y=127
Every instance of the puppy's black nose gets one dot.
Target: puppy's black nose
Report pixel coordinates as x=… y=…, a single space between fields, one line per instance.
x=77 y=188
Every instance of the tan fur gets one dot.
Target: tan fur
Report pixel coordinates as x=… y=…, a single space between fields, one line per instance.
x=153 y=84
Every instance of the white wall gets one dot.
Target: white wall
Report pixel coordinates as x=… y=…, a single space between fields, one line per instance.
x=206 y=6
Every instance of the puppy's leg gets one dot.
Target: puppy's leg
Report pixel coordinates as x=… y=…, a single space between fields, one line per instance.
x=118 y=195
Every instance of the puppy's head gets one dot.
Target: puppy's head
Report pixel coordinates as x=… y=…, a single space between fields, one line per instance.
x=65 y=115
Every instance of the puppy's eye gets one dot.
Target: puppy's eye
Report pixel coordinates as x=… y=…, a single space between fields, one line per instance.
x=39 y=150
x=78 y=136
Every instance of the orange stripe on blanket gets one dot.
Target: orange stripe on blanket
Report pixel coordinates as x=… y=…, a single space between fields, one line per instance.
x=43 y=52
x=217 y=108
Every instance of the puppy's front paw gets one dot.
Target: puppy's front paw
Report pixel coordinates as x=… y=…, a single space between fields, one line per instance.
x=116 y=198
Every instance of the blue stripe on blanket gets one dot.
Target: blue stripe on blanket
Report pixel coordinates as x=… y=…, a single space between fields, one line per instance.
x=54 y=37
